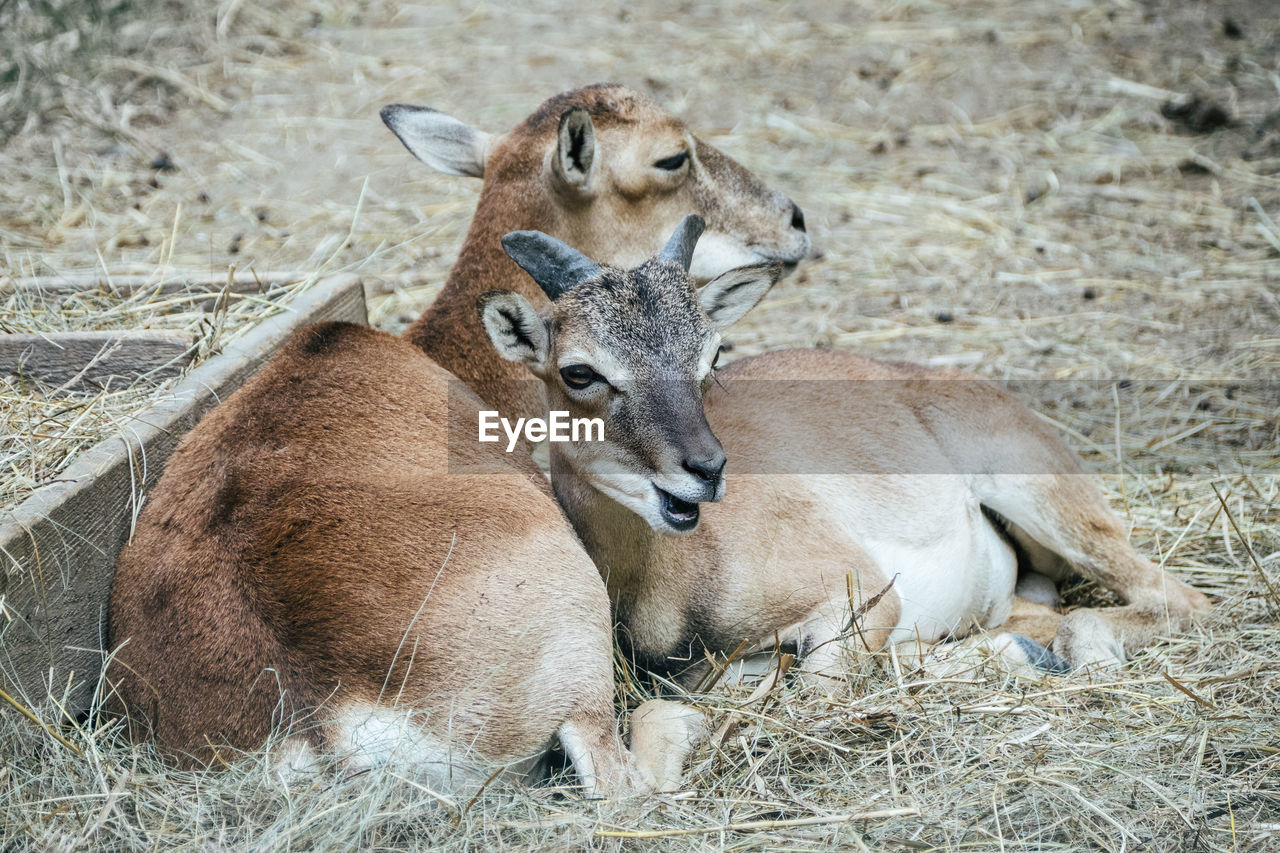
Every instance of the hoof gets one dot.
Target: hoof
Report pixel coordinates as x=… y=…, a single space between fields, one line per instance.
x=1023 y=650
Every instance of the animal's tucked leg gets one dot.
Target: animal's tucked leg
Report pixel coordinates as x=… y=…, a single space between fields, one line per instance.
x=1016 y=654
x=1032 y=619
x=842 y=628
x=1110 y=635
x=1082 y=638
x=663 y=733
x=1067 y=515
x=1020 y=643
x=826 y=648
x=604 y=766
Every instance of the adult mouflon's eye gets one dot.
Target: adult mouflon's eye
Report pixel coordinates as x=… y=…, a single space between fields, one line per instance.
x=672 y=163
x=579 y=376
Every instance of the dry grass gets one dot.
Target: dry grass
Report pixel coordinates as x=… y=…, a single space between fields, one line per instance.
x=49 y=425
x=991 y=185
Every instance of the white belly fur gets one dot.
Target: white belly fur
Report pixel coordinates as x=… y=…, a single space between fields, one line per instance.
x=952 y=569
x=370 y=736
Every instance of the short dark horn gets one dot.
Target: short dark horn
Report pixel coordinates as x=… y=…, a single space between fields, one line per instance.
x=679 y=249
x=555 y=266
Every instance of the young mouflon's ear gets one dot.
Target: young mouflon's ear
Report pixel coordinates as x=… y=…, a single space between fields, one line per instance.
x=554 y=265
x=442 y=142
x=728 y=297
x=575 y=157
x=517 y=332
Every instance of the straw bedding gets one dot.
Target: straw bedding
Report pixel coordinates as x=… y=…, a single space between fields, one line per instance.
x=1081 y=197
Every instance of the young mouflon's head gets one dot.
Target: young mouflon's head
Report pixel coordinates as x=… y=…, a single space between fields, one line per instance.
x=636 y=349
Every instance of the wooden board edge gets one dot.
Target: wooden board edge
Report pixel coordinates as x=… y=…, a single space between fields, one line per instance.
x=241 y=282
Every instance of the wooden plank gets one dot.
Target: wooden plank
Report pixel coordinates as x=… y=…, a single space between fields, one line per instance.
x=127 y=285
x=89 y=359
x=58 y=547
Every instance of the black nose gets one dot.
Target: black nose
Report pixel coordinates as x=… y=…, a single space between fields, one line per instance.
x=797 y=217
x=707 y=469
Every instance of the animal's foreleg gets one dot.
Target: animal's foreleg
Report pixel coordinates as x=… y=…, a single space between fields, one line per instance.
x=604 y=766
x=663 y=733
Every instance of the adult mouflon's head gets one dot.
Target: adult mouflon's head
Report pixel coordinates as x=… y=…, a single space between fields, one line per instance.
x=611 y=172
x=635 y=348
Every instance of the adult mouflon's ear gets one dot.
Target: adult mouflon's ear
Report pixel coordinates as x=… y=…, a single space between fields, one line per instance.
x=575 y=157
x=440 y=141
x=517 y=332
x=728 y=297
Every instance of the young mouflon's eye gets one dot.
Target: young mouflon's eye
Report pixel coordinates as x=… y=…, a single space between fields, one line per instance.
x=672 y=163
x=579 y=375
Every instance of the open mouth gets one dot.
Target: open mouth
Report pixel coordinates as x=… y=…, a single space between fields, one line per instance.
x=682 y=515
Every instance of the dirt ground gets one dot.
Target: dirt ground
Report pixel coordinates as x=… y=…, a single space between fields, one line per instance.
x=1069 y=191
x=986 y=163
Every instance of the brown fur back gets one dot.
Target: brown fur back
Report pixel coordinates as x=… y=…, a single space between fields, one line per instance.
x=295 y=532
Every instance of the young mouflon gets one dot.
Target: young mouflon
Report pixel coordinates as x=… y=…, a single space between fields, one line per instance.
x=930 y=502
